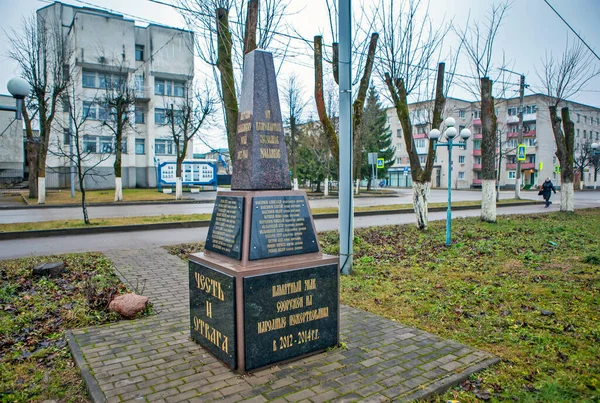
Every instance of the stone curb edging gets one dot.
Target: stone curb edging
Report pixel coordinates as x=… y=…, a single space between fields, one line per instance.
x=442 y=385
x=203 y=224
x=125 y=203
x=89 y=380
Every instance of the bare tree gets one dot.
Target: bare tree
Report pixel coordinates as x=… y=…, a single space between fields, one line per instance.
x=563 y=77
x=75 y=151
x=363 y=67
x=595 y=164
x=223 y=44
x=409 y=46
x=43 y=57
x=583 y=159
x=117 y=103
x=293 y=97
x=479 y=39
x=184 y=120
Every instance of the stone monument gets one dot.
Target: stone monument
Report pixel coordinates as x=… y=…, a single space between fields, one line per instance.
x=262 y=292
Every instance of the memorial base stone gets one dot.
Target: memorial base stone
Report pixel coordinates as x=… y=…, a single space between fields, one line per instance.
x=263 y=293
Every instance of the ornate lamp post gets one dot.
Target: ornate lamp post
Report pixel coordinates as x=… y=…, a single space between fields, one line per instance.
x=450 y=134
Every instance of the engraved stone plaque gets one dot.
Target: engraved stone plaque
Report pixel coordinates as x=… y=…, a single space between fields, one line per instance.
x=225 y=231
x=281 y=226
x=212 y=312
x=288 y=314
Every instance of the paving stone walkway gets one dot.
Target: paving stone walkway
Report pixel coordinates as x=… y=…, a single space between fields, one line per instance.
x=153 y=359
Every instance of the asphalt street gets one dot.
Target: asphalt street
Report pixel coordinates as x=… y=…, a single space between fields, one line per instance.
x=134 y=240
x=404 y=196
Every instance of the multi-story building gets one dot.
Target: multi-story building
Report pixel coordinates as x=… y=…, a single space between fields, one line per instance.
x=12 y=154
x=541 y=160
x=157 y=63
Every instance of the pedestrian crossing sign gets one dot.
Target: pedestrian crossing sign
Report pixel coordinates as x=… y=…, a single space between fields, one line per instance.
x=380 y=163
x=521 y=156
x=557 y=169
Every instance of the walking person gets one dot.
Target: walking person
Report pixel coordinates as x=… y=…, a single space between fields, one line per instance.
x=547 y=189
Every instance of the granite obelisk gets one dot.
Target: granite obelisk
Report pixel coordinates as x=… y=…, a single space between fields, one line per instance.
x=262 y=292
x=260 y=161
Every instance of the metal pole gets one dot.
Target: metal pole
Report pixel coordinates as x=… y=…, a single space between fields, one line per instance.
x=346 y=190
x=449 y=213
x=71 y=152
x=520 y=138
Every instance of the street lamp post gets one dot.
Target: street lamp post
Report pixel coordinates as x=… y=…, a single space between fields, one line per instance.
x=450 y=134
x=19 y=89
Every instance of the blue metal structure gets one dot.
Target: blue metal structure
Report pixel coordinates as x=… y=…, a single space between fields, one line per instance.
x=194 y=173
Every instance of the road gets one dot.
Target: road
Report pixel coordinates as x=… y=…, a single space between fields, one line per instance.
x=134 y=240
x=404 y=196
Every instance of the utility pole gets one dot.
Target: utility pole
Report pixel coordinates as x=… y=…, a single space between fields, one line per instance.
x=345 y=197
x=520 y=141
x=71 y=145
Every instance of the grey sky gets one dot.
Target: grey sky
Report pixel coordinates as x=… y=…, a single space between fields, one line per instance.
x=529 y=30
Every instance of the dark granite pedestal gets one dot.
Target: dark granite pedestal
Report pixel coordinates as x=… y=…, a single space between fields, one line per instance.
x=263 y=292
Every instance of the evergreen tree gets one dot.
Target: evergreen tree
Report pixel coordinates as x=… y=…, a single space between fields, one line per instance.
x=377 y=136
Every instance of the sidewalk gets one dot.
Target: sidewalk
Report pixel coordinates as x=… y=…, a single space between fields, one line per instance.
x=153 y=359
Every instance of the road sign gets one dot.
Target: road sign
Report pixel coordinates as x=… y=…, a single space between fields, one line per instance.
x=372 y=158
x=557 y=169
x=380 y=163
x=541 y=165
x=521 y=156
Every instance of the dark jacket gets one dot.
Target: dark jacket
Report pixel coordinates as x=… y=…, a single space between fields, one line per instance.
x=547 y=188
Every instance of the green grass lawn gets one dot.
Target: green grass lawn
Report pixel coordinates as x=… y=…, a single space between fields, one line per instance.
x=35 y=312
x=526 y=289
x=103 y=196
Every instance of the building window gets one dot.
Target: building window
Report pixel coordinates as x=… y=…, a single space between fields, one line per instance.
x=461 y=113
x=530 y=142
x=512 y=112
x=89 y=110
x=399 y=133
x=461 y=175
x=529 y=109
x=421 y=129
x=422 y=159
x=139 y=52
x=138 y=82
x=461 y=159
x=554 y=160
x=578 y=118
x=106 y=144
x=164 y=147
x=585 y=119
x=585 y=134
x=140 y=146
x=89 y=144
x=512 y=174
x=88 y=79
x=139 y=114
x=169 y=88
x=420 y=143
x=476 y=114
x=477 y=144
x=66 y=137
x=160 y=116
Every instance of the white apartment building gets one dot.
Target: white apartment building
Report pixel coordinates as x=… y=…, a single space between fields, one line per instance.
x=12 y=152
x=157 y=61
x=541 y=160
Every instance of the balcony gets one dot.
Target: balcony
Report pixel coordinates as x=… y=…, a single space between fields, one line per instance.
x=477 y=182
x=478 y=136
x=513 y=135
x=419 y=136
x=524 y=166
x=477 y=152
x=476 y=122
x=476 y=167
x=142 y=93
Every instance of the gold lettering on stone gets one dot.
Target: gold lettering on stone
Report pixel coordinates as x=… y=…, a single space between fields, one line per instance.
x=242 y=154
x=271 y=324
x=245 y=115
x=211 y=334
x=310 y=284
x=209 y=286
x=225 y=228
x=287 y=288
x=290 y=304
x=265 y=139
x=268 y=114
x=282 y=224
x=208 y=309
x=308 y=316
x=244 y=140
x=270 y=153
x=268 y=127
x=244 y=127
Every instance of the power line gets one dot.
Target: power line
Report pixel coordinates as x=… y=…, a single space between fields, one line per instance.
x=571 y=28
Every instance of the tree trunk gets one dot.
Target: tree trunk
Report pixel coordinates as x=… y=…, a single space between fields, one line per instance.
x=295 y=183
x=565 y=142
x=41 y=182
x=225 y=66
x=488 y=152
x=326 y=189
x=118 y=189
x=251 y=23
x=178 y=188
x=328 y=129
x=86 y=218
x=31 y=155
x=318 y=186
x=420 y=203
x=293 y=152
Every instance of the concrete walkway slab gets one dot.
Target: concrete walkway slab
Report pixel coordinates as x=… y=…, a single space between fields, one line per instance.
x=153 y=359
